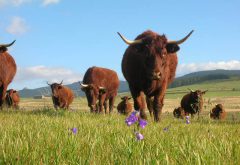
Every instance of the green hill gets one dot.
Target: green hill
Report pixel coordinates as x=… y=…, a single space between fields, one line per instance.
x=226 y=79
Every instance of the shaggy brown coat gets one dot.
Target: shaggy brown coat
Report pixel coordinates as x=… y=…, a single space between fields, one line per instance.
x=192 y=102
x=62 y=96
x=149 y=67
x=12 y=99
x=179 y=113
x=8 y=70
x=100 y=84
x=218 y=112
x=125 y=107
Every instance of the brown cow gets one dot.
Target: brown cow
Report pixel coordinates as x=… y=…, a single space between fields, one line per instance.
x=12 y=98
x=149 y=66
x=192 y=102
x=218 y=112
x=179 y=113
x=125 y=107
x=62 y=96
x=100 y=84
x=8 y=70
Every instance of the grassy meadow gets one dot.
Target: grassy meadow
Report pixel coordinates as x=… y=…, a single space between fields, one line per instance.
x=37 y=134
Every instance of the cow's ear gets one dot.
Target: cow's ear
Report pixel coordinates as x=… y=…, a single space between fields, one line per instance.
x=172 y=48
x=14 y=91
x=59 y=87
x=83 y=89
x=204 y=92
x=122 y=98
x=129 y=98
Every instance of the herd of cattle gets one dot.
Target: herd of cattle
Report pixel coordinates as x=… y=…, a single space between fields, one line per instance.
x=149 y=65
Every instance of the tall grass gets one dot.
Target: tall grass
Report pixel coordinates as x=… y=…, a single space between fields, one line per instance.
x=44 y=137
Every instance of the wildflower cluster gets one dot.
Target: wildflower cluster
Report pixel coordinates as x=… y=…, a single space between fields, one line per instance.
x=134 y=118
x=187 y=120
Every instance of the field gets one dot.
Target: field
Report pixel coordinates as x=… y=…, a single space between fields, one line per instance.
x=37 y=134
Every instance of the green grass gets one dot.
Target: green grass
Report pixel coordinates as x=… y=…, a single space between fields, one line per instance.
x=43 y=137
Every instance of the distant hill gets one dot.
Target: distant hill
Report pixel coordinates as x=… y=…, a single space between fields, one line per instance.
x=188 y=79
x=25 y=93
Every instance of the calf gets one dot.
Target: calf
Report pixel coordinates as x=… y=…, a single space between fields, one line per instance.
x=179 y=113
x=62 y=96
x=125 y=107
x=12 y=99
x=218 y=112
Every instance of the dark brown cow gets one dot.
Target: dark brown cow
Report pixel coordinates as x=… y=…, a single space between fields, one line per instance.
x=8 y=70
x=192 y=102
x=100 y=84
x=179 y=113
x=218 y=112
x=125 y=107
x=12 y=99
x=62 y=96
x=149 y=66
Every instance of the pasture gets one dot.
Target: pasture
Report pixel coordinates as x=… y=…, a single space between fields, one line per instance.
x=37 y=134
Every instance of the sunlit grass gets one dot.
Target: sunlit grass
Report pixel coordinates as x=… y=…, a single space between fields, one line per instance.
x=43 y=137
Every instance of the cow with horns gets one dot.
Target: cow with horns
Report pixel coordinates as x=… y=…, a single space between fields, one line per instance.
x=62 y=96
x=12 y=99
x=8 y=70
x=100 y=84
x=149 y=66
x=192 y=102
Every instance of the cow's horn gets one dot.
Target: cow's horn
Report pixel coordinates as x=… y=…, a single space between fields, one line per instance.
x=61 y=82
x=182 y=40
x=102 y=88
x=84 y=85
x=190 y=90
x=7 y=45
x=129 y=42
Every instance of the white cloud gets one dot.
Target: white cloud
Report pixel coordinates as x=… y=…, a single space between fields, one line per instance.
x=21 y=2
x=13 y=2
x=36 y=76
x=17 y=26
x=48 y=2
x=194 y=67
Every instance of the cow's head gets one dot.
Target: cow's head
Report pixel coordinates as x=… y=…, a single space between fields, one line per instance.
x=3 y=47
x=125 y=99
x=154 y=49
x=93 y=92
x=197 y=95
x=55 y=87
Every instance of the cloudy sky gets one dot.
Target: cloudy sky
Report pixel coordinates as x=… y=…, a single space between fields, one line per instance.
x=60 y=39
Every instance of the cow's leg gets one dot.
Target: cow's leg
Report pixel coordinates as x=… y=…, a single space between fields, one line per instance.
x=105 y=104
x=158 y=102
x=149 y=105
x=3 y=89
x=139 y=102
x=111 y=104
x=101 y=102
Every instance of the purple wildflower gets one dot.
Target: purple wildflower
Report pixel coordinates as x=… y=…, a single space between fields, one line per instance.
x=74 y=130
x=187 y=120
x=139 y=136
x=131 y=118
x=142 y=123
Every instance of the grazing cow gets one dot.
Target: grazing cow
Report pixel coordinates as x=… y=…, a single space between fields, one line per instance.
x=62 y=96
x=8 y=70
x=149 y=66
x=125 y=107
x=179 y=113
x=192 y=102
x=12 y=99
x=100 y=84
x=218 y=112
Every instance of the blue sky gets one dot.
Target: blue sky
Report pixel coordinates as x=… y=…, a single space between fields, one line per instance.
x=61 y=39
